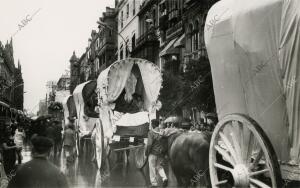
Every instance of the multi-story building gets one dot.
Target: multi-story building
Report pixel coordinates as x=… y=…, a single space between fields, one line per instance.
x=146 y=45
x=74 y=72
x=11 y=81
x=194 y=19
x=63 y=88
x=128 y=30
x=100 y=52
x=106 y=42
x=43 y=110
x=18 y=89
x=170 y=16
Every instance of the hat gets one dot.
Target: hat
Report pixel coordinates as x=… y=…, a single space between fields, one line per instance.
x=41 y=144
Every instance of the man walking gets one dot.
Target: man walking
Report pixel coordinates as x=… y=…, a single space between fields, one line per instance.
x=39 y=172
x=155 y=150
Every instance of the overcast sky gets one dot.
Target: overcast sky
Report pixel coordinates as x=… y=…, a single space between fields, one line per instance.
x=45 y=44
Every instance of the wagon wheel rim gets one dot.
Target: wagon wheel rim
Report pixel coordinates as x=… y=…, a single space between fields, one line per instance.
x=247 y=151
x=140 y=158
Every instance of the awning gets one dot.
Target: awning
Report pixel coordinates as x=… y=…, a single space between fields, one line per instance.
x=180 y=42
x=169 y=49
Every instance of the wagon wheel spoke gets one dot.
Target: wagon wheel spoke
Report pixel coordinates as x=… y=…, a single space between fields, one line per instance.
x=235 y=141
x=223 y=167
x=225 y=154
x=259 y=183
x=221 y=182
x=228 y=146
x=249 y=150
x=259 y=172
x=256 y=160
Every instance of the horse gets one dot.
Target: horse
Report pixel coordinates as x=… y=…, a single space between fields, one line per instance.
x=188 y=154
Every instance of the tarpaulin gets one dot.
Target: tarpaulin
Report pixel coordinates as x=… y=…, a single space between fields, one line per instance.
x=253 y=48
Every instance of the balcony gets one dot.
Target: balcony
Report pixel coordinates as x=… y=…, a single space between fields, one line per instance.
x=176 y=29
x=146 y=37
x=173 y=14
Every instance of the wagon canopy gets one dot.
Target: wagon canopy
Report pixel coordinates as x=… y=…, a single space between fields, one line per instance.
x=69 y=108
x=131 y=87
x=85 y=99
x=254 y=51
x=136 y=76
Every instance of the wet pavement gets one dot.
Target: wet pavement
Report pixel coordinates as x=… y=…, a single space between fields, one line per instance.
x=84 y=173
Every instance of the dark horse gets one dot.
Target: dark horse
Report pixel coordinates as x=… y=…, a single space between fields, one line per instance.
x=188 y=153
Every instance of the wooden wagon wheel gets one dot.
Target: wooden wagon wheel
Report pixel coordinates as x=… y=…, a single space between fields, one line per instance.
x=241 y=155
x=140 y=157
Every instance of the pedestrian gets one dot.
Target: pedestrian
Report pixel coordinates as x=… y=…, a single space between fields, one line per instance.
x=50 y=133
x=58 y=136
x=211 y=119
x=156 y=150
x=9 y=151
x=19 y=141
x=69 y=142
x=39 y=171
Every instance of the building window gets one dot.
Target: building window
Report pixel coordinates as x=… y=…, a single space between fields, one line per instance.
x=127 y=11
x=133 y=41
x=133 y=8
x=121 y=19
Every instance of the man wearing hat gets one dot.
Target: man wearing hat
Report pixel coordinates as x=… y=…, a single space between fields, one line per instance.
x=39 y=172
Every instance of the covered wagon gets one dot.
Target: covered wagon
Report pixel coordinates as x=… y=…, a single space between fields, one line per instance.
x=127 y=96
x=253 y=47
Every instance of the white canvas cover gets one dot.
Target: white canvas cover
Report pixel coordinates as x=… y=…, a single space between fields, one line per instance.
x=84 y=122
x=118 y=76
x=66 y=110
x=253 y=48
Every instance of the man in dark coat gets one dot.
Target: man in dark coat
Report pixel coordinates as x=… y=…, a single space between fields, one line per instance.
x=156 y=150
x=39 y=172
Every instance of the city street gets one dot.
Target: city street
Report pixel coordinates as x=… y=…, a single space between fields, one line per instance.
x=179 y=93
x=84 y=173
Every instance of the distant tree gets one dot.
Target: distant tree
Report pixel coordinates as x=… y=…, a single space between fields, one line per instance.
x=198 y=85
x=171 y=93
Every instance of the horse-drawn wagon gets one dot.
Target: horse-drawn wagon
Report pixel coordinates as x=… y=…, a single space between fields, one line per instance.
x=127 y=98
x=253 y=47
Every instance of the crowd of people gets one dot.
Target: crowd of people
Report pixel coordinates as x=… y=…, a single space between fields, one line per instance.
x=46 y=139
x=12 y=141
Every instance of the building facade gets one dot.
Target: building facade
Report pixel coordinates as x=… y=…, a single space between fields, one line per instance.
x=106 y=43
x=100 y=52
x=171 y=25
x=146 y=45
x=128 y=30
x=11 y=81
